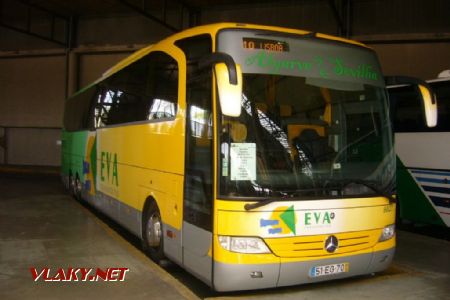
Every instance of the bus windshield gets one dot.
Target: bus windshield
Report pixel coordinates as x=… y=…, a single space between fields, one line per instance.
x=314 y=121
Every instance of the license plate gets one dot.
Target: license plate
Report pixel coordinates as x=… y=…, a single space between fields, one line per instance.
x=318 y=271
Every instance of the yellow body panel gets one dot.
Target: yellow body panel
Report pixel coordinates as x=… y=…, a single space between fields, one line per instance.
x=149 y=165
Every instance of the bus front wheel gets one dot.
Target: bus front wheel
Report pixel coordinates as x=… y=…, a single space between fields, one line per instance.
x=152 y=233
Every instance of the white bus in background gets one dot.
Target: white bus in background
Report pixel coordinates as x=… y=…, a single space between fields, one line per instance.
x=423 y=154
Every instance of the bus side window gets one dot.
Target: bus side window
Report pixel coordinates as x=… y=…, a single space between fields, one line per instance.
x=163 y=82
x=145 y=90
x=442 y=90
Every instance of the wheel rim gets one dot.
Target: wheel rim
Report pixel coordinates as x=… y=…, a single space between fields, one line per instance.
x=154 y=230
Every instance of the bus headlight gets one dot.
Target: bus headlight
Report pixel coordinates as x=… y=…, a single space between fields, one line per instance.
x=387 y=233
x=243 y=244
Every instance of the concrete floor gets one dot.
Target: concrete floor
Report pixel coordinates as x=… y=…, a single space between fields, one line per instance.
x=40 y=227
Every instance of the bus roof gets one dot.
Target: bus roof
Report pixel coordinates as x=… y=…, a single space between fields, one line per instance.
x=211 y=29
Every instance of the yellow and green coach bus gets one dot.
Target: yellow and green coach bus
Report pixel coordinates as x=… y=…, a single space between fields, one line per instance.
x=252 y=156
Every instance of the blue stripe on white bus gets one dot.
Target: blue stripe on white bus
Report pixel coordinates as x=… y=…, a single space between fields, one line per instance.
x=433 y=180
x=430 y=172
x=440 y=182
x=436 y=189
x=439 y=201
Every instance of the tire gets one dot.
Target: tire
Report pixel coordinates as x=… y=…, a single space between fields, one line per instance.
x=77 y=188
x=71 y=187
x=152 y=233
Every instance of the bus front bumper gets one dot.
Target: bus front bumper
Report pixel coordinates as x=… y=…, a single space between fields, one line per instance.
x=232 y=277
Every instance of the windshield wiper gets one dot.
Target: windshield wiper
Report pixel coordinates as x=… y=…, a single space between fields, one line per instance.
x=251 y=206
x=370 y=184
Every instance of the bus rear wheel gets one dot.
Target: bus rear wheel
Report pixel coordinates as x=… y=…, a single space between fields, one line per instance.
x=152 y=234
x=75 y=186
x=71 y=188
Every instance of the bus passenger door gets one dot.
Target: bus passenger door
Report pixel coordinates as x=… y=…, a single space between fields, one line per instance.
x=198 y=180
x=198 y=185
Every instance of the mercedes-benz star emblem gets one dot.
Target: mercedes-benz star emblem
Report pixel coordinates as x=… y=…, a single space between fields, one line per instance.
x=331 y=244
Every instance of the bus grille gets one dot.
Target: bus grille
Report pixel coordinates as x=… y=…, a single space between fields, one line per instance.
x=314 y=245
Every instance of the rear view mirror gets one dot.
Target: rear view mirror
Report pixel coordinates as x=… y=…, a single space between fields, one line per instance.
x=229 y=81
x=425 y=92
x=230 y=94
x=429 y=104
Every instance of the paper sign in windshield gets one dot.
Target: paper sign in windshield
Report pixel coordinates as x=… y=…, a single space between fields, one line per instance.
x=243 y=161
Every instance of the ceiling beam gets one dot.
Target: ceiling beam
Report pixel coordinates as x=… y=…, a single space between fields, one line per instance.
x=30 y=33
x=27 y=29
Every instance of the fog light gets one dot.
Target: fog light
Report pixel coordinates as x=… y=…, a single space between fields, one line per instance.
x=256 y=274
x=387 y=233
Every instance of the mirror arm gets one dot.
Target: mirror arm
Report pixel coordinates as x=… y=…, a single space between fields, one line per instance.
x=220 y=57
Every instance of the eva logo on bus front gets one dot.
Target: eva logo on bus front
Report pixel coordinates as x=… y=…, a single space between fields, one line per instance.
x=318 y=218
x=79 y=274
x=282 y=221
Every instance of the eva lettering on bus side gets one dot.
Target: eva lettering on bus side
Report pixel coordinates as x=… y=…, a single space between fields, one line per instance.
x=109 y=160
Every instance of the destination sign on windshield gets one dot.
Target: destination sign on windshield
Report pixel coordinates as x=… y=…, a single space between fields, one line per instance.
x=264 y=44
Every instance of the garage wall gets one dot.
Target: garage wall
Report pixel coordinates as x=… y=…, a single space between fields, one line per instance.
x=92 y=66
x=2 y=145
x=368 y=17
x=33 y=146
x=308 y=15
x=32 y=96
x=32 y=91
x=119 y=30
x=425 y=61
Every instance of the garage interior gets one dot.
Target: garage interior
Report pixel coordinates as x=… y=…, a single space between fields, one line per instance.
x=49 y=49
